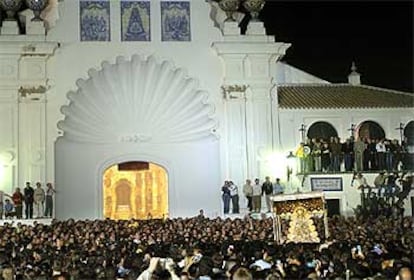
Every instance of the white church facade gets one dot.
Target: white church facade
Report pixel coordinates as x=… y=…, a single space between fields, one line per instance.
x=187 y=92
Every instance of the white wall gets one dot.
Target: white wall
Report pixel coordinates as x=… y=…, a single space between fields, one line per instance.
x=74 y=58
x=193 y=172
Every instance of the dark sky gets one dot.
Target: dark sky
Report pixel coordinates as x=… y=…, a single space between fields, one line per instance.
x=327 y=36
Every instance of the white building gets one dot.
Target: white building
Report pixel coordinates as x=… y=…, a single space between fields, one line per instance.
x=193 y=96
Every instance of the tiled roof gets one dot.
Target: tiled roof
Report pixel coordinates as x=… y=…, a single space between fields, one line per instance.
x=320 y=96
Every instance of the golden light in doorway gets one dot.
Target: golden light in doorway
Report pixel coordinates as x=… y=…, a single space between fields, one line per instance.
x=135 y=193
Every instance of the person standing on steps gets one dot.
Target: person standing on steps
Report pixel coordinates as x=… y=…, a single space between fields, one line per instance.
x=248 y=193
x=234 y=193
x=28 y=200
x=49 y=200
x=267 y=190
x=226 y=196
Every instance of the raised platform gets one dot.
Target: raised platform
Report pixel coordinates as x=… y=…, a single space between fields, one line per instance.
x=29 y=222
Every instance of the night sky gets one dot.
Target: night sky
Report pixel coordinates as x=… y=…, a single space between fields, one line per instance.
x=327 y=36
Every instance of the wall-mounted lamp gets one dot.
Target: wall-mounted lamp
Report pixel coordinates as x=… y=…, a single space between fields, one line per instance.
x=290 y=163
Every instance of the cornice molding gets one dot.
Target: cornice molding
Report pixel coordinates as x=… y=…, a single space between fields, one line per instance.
x=27 y=47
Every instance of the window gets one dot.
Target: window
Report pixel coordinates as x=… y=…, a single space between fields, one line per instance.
x=409 y=133
x=370 y=129
x=322 y=130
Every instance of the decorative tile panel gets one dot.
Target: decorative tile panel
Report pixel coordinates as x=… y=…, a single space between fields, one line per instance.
x=175 y=21
x=95 y=20
x=135 y=21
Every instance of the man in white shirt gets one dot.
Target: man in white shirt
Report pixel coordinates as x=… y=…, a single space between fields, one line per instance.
x=381 y=150
x=39 y=199
x=234 y=193
x=248 y=193
x=257 y=196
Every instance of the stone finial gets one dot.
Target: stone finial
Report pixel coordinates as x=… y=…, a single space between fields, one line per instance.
x=229 y=7
x=353 y=67
x=254 y=7
x=354 y=78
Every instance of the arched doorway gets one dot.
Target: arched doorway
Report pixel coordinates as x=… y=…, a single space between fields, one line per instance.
x=409 y=133
x=371 y=130
x=135 y=190
x=322 y=130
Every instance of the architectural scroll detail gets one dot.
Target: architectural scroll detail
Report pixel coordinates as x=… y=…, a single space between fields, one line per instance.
x=143 y=99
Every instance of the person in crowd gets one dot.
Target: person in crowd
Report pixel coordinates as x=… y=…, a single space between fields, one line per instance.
x=381 y=150
x=389 y=155
x=362 y=185
x=308 y=159
x=267 y=191
x=373 y=160
x=359 y=149
x=50 y=192
x=234 y=193
x=17 y=198
x=248 y=193
x=9 y=209
x=226 y=196
x=28 y=200
x=335 y=149
x=277 y=187
x=325 y=157
x=366 y=155
x=316 y=155
x=200 y=215
x=397 y=155
x=3 y=195
x=300 y=155
x=348 y=152
x=257 y=196
x=39 y=199
x=379 y=182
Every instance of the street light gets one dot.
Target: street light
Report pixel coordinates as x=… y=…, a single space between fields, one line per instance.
x=291 y=158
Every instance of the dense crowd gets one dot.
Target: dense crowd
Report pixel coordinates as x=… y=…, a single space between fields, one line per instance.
x=202 y=248
x=332 y=155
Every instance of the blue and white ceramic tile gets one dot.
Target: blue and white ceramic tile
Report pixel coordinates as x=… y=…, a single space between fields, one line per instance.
x=95 y=20
x=135 y=21
x=175 y=21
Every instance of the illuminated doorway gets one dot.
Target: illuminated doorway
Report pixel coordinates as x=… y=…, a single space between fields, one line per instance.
x=135 y=190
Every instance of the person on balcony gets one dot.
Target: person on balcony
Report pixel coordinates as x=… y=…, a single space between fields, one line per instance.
x=359 y=148
x=348 y=151
x=335 y=149
x=316 y=154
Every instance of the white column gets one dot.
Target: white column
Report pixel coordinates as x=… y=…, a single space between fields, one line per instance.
x=247 y=134
x=24 y=84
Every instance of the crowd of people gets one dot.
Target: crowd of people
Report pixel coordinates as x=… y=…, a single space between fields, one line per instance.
x=36 y=202
x=385 y=195
x=332 y=155
x=203 y=248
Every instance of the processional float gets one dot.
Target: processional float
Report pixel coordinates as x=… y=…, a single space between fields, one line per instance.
x=299 y=209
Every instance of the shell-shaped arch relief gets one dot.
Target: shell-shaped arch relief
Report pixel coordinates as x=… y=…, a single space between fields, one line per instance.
x=138 y=100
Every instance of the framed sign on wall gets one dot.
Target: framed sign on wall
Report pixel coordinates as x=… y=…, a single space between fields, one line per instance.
x=326 y=184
